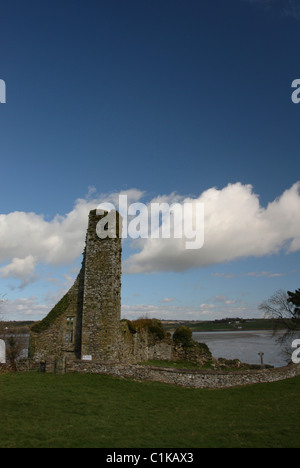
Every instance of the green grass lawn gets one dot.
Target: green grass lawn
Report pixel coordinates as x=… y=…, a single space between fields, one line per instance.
x=76 y=410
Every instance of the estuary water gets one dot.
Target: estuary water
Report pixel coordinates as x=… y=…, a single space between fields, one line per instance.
x=244 y=345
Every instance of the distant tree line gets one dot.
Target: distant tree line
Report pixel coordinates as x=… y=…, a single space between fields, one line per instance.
x=230 y=319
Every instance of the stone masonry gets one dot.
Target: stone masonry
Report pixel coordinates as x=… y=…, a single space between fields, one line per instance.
x=85 y=325
x=84 y=333
x=102 y=294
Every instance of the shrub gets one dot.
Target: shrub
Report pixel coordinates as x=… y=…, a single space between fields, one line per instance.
x=142 y=323
x=156 y=329
x=183 y=336
x=153 y=326
x=130 y=325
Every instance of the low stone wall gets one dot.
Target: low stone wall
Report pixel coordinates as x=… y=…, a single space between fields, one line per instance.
x=4 y=368
x=22 y=365
x=185 y=378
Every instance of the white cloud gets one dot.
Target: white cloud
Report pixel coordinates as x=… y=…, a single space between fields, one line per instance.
x=167 y=300
x=236 y=226
x=23 y=309
x=161 y=312
x=22 y=269
x=28 y=239
x=224 y=300
x=257 y=274
x=19 y=267
x=218 y=307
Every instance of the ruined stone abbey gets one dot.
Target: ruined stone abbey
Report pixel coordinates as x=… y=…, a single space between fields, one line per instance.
x=84 y=333
x=85 y=325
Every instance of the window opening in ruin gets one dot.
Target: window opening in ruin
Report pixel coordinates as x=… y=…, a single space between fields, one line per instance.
x=69 y=337
x=69 y=332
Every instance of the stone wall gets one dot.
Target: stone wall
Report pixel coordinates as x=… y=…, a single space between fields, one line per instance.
x=85 y=324
x=2 y=352
x=185 y=378
x=142 y=346
x=86 y=321
x=102 y=294
x=59 y=334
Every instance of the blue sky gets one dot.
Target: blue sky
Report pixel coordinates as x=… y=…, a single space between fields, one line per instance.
x=173 y=99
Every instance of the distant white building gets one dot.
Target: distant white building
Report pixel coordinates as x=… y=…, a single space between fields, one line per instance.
x=2 y=352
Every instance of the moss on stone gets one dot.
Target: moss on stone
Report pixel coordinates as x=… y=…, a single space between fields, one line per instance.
x=129 y=325
x=58 y=310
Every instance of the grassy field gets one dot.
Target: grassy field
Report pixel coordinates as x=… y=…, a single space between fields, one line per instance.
x=73 y=410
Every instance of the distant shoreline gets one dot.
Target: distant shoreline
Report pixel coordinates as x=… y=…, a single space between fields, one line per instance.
x=254 y=330
x=212 y=326
x=223 y=325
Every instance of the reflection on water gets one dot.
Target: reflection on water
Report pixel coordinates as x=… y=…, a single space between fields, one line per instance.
x=244 y=345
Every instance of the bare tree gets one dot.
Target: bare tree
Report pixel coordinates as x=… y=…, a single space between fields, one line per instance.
x=2 y=325
x=14 y=340
x=15 y=346
x=282 y=308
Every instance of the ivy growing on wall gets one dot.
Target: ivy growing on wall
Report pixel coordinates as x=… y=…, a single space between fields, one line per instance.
x=58 y=310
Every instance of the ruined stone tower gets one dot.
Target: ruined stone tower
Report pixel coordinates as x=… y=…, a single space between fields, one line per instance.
x=85 y=324
x=102 y=294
